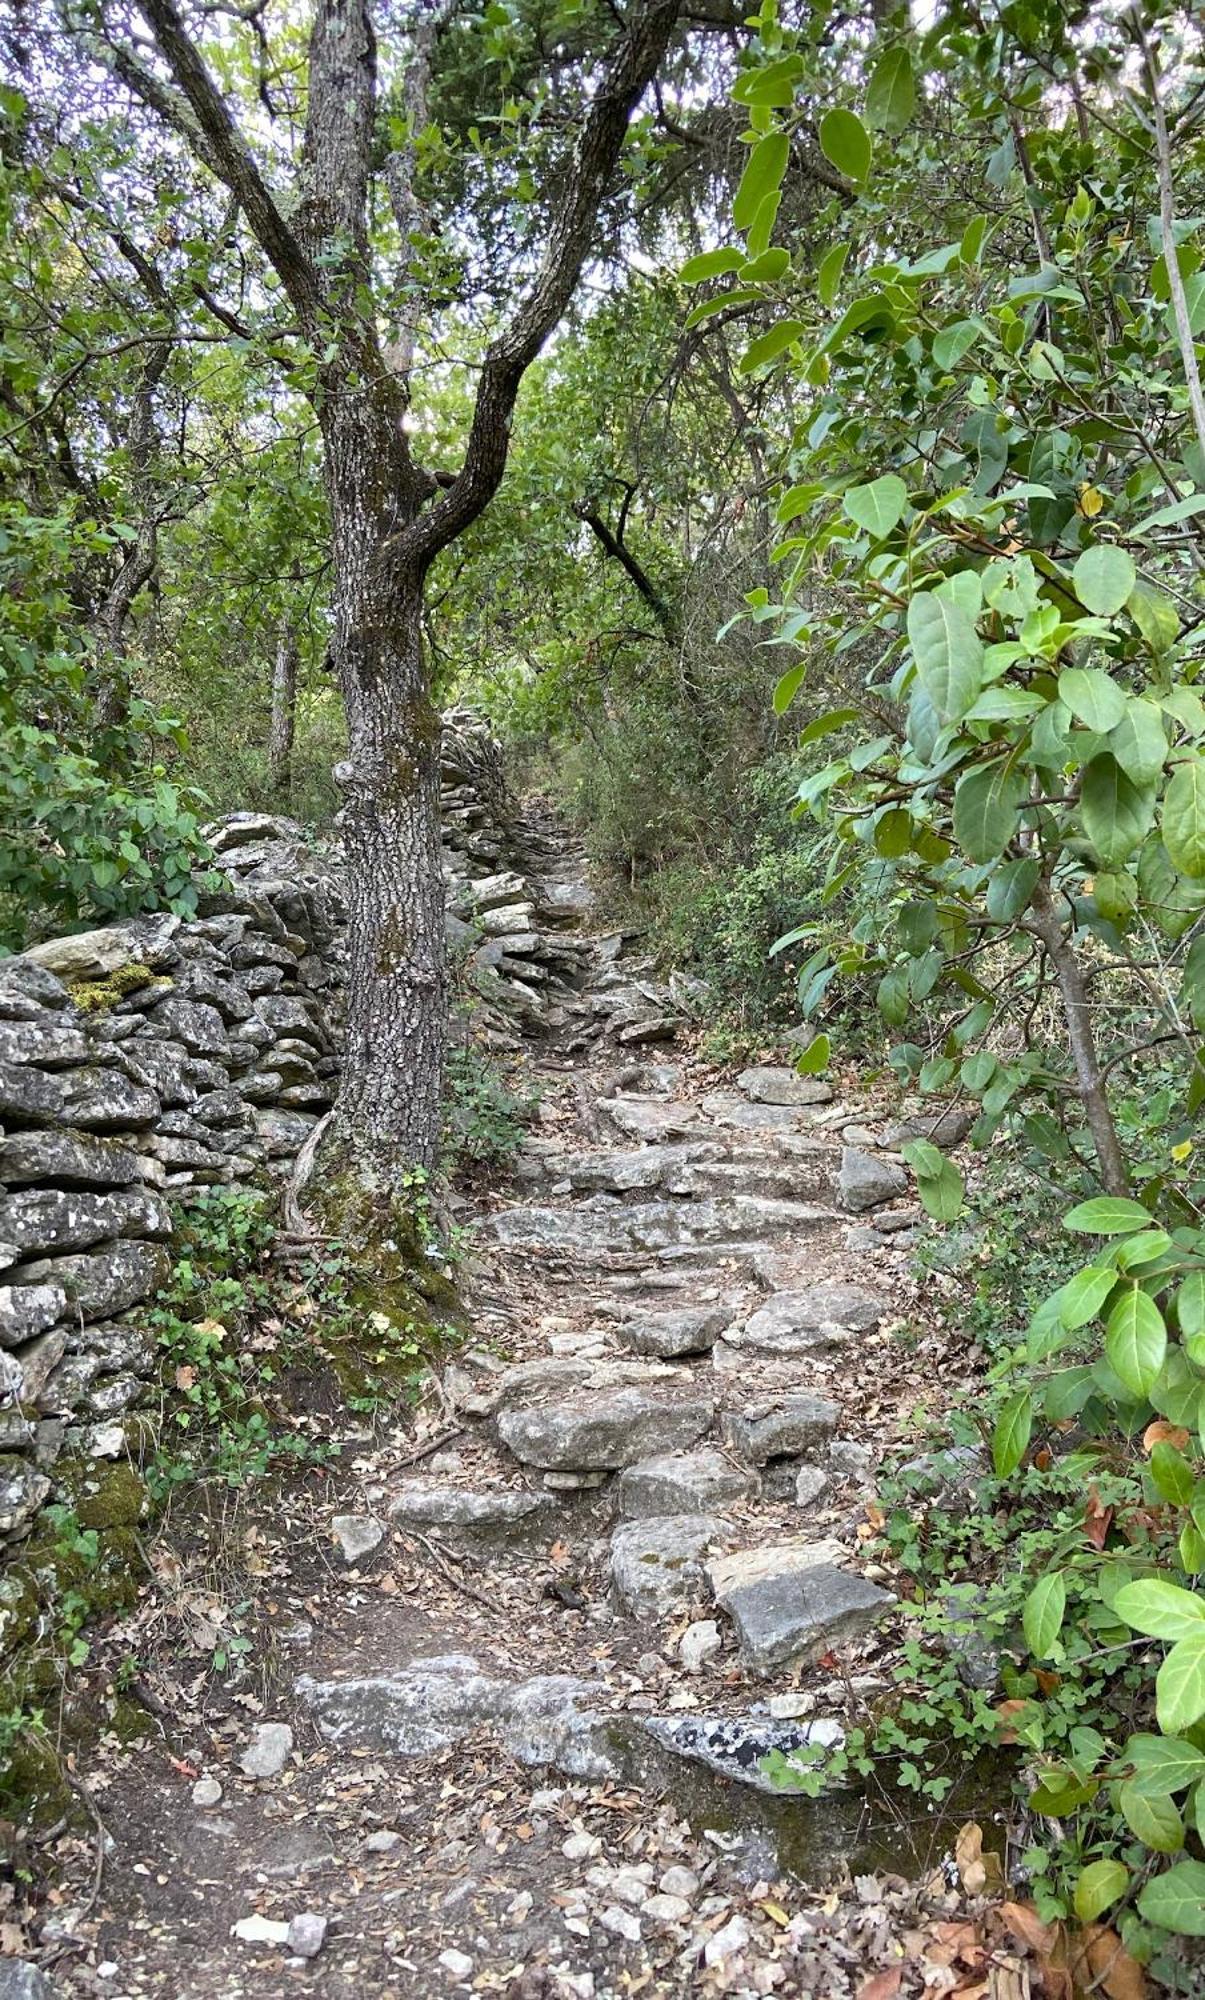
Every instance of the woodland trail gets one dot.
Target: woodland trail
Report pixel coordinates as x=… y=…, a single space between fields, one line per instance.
x=526 y=1660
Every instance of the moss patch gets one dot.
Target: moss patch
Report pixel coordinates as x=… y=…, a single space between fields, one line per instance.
x=100 y=996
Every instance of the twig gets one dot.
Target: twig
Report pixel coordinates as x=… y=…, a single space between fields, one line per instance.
x=296 y=1219
x=433 y=1444
x=450 y=1575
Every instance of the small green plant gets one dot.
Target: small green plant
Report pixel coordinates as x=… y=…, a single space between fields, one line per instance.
x=485 y=1118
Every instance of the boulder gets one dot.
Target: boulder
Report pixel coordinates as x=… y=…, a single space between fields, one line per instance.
x=798 y=1322
x=657 y=1565
x=492 y=1515
x=785 y=1428
x=867 y=1180
x=602 y=1431
x=27 y=1310
x=691 y=1483
x=74 y=1158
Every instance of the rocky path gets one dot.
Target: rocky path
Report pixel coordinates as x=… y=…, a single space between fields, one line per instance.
x=528 y=1670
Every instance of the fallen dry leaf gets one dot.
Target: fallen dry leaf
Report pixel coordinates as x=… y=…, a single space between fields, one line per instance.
x=1100 y=1962
x=1161 y=1432
x=1027 y=1927
x=882 y=1985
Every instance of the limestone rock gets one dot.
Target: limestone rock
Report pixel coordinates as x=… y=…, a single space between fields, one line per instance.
x=102 y=1283
x=436 y=1702
x=786 y=1428
x=690 y=1483
x=22 y=1491
x=528 y=1381
x=75 y=1159
x=357 y=1535
x=106 y=1100
x=29 y=1096
x=945 y=1127
x=40 y=1219
x=45 y=1042
x=27 y=1310
x=269 y=1750
x=194 y=1023
x=19 y=1980
x=737 y=1746
x=792 y=1618
x=601 y=1432
x=699 y=1643
x=656 y=1565
x=801 y=1322
x=687 y=1330
x=867 y=1180
x=92 y=955
x=493 y=1515
x=27 y=989
x=27 y=1373
x=650 y=1119
x=767 y=1084
x=753 y=1565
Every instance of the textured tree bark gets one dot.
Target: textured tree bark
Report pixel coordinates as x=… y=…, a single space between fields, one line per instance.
x=284 y=710
x=1093 y=1091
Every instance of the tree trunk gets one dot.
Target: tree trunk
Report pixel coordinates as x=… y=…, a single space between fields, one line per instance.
x=1094 y=1096
x=284 y=710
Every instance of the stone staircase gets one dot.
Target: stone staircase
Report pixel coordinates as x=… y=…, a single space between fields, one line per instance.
x=669 y=1458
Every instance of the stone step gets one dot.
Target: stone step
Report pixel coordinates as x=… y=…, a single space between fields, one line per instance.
x=654 y=1225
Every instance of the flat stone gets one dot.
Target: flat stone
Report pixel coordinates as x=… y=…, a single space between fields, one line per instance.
x=753 y=1565
x=207 y=1792
x=801 y=1322
x=686 y=1330
x=102 y=1283
x=793 y=1618
x=699 y=1643
x=500 y=1388
x=635 y=1172
x=690 y=1483
x=435 y=1703
x=786 y=1428
x=45 y=1043
x=73 y=1159
x=946 y=1127
x=193 y=1022
x=867 y=1180
x=600 y=1432
x=652 y=1028
x=106 y=1100
x=97 y=954
x=657 y=1564
x=27 y=1372
x=27 y=989
x=269 y=1750
x=40 y=1219
x=738 y=1746
x=357 y=1535
x=650 y=1119
x=486 y=1515
x=772 y=1084
x=665 y=1909
x=29 y=1095
x=27 y=1310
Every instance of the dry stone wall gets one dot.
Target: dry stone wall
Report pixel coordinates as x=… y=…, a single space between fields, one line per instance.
x=154 y=1057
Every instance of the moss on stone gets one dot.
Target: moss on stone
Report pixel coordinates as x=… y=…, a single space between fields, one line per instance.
x=100 y=996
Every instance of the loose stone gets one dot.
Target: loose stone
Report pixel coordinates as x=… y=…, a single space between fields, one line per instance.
x=268 y=1751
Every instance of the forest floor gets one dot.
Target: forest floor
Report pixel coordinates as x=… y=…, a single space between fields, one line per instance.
x=467 y=1795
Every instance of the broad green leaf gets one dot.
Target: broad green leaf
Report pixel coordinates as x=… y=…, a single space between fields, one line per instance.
x=1012 y=1433
x=824 y=725
x=814 y=1060
x=1176 y=1899
x=1103 y=577
x=1163 y=1764
x=1097 y=1887
x=1172 y=1474
x=1144 y=1248
x=1107 y=1215
x=845 y=142
x=766 y=269
x=1042 y=1616
x=1082 y=1297
x=891 y=92
x=788 y=687
x=1136 y=1340
x=829 y=272
x=712 y=264
x=1160 y=1609
x=1010 y=889
x=879 y=506
x=954 y=341
x=948 y=653
x=764 y=170
x=773 y=83
x=1093 y=698
x=1183 y=818
x=1116 y=814
x=1190 y=1304
x=1139 y=741
x=1180 y=1684
x=768 y=346
x=985 y=809
x=1156 y=1822
x=1154 y=616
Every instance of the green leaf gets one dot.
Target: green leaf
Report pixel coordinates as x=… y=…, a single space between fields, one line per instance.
x=1163 y=1764
x=712 y=264
x=768 y=346
x=764 y=170
x=824 y=725
x=1154 y=616
x=1093 y=698
x=954 y=341
x=1082 y=1297
x=879 y=506
x=1010 y=889
x=788 y=687
x=948 y=653
x=1107 y=1215
x=1160 y=1609
x=1172 y=1474
x=1183 y=818
x=846 y=143
x=1043 y=1612
x=891 y=92
x=1176 y=1899
x=1180 y=1684
x=1139 y=741
x=1116 y=814
x=829 y=272
x=1012 y=1433
x=1156 y=1822
x=1190 y=1305
x=814 y=1060
x=1103 y=577
x=766 y=269
x=1098 y=1886
x=985 y=809
x=1136 y=1340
